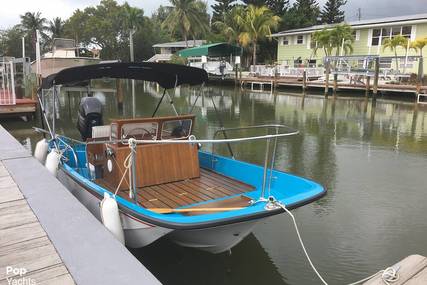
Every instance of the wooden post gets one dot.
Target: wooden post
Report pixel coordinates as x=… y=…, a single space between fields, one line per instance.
x=377 y=73
x=335 y=87
x=304 y=81
x=119 y=94
x=368 y=87
x=236 y=75
x=327 y=79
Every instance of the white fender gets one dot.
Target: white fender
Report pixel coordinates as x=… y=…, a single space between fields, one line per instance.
x=111 y=217
x=52 y=161
x=40 y=151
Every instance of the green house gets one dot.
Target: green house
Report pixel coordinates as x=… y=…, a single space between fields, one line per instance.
x=295 y=47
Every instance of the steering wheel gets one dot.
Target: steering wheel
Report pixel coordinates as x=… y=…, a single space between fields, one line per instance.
x=145 y=131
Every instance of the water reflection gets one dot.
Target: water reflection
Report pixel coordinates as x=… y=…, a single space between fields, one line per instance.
x=247 y=263
x=371 y=157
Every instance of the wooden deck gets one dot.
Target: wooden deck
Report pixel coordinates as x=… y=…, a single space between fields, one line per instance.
x=23 y=242
x=208 y=186
x=295 y=82
x=23 y=107
x=412 y=271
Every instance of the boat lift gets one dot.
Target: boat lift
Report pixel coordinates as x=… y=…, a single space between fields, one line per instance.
x=7 y=82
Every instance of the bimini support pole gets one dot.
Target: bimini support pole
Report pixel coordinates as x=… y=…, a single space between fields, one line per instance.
x=197 y=98
x=158 y=104
x=221 y=125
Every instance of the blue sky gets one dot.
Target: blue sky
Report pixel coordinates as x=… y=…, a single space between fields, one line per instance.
x=9 y=14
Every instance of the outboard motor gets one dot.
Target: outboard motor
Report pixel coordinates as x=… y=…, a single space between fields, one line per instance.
x=90 y=115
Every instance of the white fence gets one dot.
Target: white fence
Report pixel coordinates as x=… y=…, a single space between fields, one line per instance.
x=7 y=83
x=285 y=71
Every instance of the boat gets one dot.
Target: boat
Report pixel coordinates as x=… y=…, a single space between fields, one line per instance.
x=64 y=54
x=164 y=180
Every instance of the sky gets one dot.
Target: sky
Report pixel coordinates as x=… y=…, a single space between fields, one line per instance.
x=9 y=14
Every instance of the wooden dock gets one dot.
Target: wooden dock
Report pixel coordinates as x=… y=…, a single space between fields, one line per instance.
x=275 y=82
x=411 y=271
x=24 y=245
x=25 y=108
x=47 y=236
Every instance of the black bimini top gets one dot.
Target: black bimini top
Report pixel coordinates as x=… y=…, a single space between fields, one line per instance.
x=166 y=74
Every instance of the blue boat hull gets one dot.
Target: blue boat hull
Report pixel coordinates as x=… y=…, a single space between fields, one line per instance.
x=214 y=232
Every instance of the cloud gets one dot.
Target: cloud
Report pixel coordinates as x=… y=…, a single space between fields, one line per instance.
x=64 y=8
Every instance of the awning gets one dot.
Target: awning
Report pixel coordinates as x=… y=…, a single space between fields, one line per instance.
x=166 y=74
x=213 y=50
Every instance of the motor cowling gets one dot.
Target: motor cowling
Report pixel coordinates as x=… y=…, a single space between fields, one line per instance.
x=89 y=115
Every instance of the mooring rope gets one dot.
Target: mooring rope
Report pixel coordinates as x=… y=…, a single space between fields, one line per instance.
x=388 y=276
x=127 y=163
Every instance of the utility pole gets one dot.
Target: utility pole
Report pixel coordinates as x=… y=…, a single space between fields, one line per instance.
x=359 y=13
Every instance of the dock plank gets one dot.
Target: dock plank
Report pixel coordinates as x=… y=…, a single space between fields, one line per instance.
x=32 y=255
x=10 y=194
x=420 y=278
x=23 y=241
x=411 y=270
x=15 y=213
x=21 y=233
x=56 y=274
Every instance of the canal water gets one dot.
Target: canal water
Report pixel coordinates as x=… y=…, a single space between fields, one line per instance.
x=371 y=158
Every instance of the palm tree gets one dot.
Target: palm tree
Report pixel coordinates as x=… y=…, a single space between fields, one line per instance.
x=56 y=28
x=31 y=22
x=323 y=41
x=229 y=26
x=185 y=17
x=256 y=24
x=393 y=43
x=342 y=37
x=134 y=17
x=418 y=45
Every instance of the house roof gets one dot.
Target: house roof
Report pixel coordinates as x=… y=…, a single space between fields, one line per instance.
x=214 y=50
x=407 y=19
x=180 y=44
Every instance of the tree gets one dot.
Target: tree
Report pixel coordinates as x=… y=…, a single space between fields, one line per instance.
x=418 y=45
x=221 y=8
x=185 y=17
x=342 y=38
x=11 y=42
x=134 y=18
x=338 y=38
x=56 y=28
x=393 y=43
x=303 y=13
x=228 y=26
x=278 y=7
x=256 y=24
x=31 y=22
x=332 y=13
x=257 y=3
x=322 y=40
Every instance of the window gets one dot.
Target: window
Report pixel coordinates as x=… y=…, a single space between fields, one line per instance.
x=285 y=41
x=389 y=32
x=177 y=129
x=300 y=40
x=356 y=35
x=145 y=131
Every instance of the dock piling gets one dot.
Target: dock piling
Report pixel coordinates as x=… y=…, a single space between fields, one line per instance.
x=377 y=73
x=335 y=86
x=327 y=70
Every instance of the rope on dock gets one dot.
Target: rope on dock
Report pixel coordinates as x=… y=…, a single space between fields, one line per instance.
x=388 y=275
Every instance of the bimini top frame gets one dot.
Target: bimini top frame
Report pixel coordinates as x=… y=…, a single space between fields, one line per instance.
x=165 y=74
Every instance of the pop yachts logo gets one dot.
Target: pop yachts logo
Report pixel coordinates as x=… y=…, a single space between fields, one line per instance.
x=16 y=276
